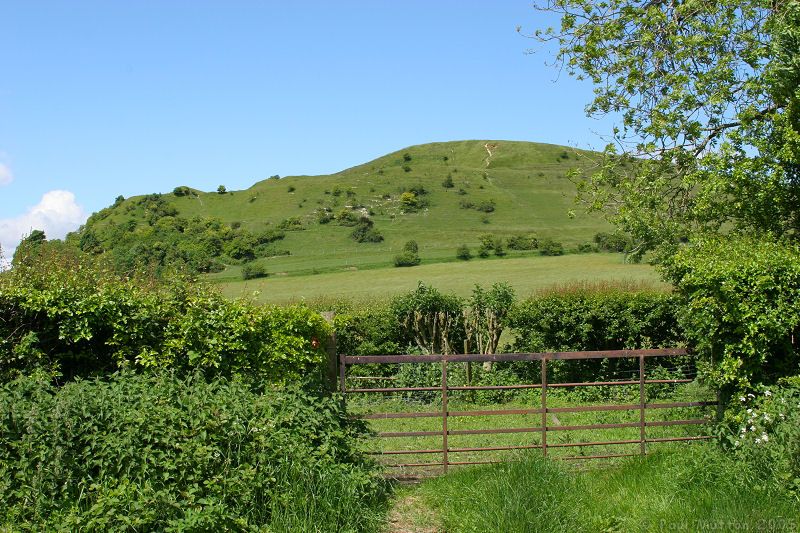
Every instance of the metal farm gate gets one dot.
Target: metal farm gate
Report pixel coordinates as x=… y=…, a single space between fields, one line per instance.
x=541 y=426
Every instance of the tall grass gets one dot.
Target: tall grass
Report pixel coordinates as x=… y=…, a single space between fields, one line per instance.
x=693 y=489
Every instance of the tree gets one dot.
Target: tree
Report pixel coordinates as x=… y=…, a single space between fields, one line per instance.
x=708 y=100
x=221 y=189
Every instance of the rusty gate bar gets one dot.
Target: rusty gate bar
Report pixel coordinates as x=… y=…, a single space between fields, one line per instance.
x=642 y=406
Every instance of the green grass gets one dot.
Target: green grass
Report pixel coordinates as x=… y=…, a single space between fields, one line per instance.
x=695 y=488
x=524 y=274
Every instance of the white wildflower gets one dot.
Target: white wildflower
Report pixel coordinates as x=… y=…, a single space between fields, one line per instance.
x=752 y=428
x=767 y=393
x=765 y=437
x=742 y=399
x=749 y=411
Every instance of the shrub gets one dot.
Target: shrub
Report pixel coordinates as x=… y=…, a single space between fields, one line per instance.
x=155 y=453
x=406 y=157
x=406 y=168
x=290 y=188
x=366 y=232
x=585 y=319
x=406 y=259
x=741 y=308
x=447 y=183
x=549 y=246
x=764 y=432
x=462 y=252
x=254 y=271
x=612 y=242
x=72 y=316
x=486 y=206
x=434 y=320
x=221 y=189
x=369 y=329
x=523 y=242
x=181 y=191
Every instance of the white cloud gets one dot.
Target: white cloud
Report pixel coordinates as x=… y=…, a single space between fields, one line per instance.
x=56 y=214
x=6 y=176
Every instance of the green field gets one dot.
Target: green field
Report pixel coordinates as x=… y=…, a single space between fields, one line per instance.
x=524 y=274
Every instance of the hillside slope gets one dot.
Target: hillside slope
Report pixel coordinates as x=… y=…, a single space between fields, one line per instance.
x=439 y=194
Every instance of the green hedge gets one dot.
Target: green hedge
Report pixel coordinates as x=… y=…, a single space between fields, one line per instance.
x=69 y=314
x=140 y=452
x=742 y=308
x=584 y=319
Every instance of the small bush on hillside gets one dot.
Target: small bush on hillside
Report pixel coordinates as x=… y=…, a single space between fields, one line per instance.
x=463 y=252
x=406 y=168
x=406 y=157
x=523 y=242
x=486 y=206
x=410 y=255
x=182 y=191
x=365 y=231
x=612 y=242
x=585 y=248
x=291 y=224
x=254 y=271
x=550 y=246
x=406 y=259
x=221 y=189
x=447 y=183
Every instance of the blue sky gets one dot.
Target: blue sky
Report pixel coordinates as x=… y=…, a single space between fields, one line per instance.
x=99 y=99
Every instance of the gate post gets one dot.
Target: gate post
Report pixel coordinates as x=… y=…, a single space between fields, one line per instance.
x=444 y=413
x=544 y=405
x=642 y=406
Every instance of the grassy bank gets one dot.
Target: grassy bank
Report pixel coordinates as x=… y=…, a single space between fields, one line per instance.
x=693 y=489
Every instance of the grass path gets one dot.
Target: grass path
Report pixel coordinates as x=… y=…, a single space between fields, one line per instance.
x=410 y=514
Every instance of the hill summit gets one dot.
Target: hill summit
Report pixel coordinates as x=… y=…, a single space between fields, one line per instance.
x=440 y=195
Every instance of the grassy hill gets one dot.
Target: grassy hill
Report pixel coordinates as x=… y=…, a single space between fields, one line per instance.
x=441 y=194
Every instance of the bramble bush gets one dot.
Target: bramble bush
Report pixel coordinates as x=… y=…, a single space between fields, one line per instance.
x=158 y=452
x=74 y=316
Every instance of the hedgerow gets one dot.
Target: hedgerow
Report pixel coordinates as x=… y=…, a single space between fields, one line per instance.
x=68 y=313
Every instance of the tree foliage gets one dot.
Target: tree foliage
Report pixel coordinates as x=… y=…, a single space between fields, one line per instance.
x=708 y=100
